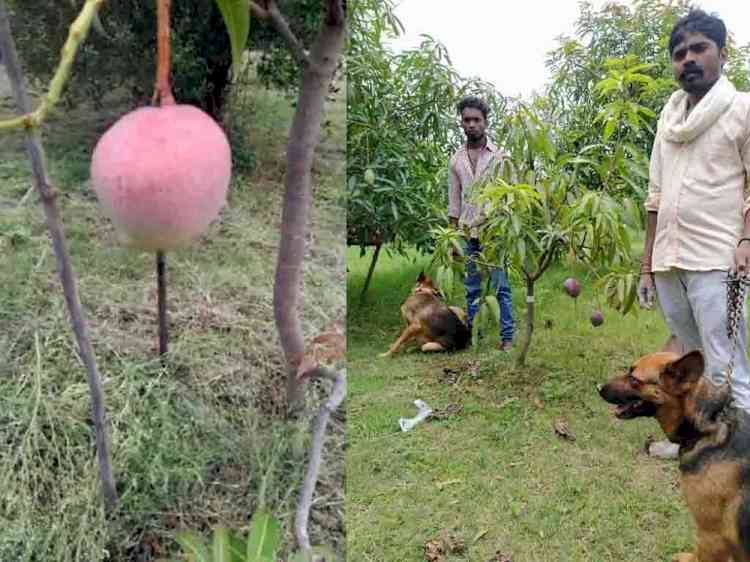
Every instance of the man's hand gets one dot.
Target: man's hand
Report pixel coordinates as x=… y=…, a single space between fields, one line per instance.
x=742 y=257
x=647 y=291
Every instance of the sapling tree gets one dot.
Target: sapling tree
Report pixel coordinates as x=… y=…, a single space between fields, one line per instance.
x=537 y=213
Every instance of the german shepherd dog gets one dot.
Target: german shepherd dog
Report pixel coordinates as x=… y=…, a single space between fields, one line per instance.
x=429 y=321
x=714 y=439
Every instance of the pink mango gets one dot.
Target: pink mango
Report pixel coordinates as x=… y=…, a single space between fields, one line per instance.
x=161 y=175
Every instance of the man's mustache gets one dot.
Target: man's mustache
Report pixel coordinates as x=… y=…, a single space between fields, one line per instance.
x=692 y=69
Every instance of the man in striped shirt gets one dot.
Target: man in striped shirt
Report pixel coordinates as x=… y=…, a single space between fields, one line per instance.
x=466 y=166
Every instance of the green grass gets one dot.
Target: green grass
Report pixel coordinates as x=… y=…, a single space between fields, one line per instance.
x=495 y=475
x=193 y=442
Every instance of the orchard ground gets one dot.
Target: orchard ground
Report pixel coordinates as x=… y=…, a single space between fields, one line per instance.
x=194 y=442
x=490 y=476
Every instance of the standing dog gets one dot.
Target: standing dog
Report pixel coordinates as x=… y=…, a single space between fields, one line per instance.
x=714 y=439
x=432 y=323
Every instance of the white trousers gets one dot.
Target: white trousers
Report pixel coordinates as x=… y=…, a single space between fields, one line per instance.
x=694 y=304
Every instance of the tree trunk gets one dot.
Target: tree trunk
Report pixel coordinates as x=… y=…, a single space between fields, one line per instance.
x=374 y=260
x=303 y=138
x=529 y=322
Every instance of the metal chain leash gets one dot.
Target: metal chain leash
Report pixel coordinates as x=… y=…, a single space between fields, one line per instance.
x=736 y=287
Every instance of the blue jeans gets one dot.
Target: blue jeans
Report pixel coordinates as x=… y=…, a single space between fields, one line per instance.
x=499 y=282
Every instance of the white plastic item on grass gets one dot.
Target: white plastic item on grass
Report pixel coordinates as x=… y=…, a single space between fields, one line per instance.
x=423 y=412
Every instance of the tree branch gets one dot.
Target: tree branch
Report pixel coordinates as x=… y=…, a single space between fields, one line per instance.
x=77 y=34
x=64 y=267
x=338 y=392
x=272 y=14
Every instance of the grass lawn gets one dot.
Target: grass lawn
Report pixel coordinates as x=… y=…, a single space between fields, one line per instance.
x=196 y=441
x=491 y=477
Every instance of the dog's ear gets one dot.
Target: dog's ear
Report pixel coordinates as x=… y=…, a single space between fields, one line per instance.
x=421 y=277
x=678 y=376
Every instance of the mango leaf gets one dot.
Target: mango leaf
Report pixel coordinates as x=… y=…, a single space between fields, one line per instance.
x=493 y=306
x=620 y=293
x=609 y=128
x=263 y=538
x=236 y=14
x=631 y=291
x=445 y=280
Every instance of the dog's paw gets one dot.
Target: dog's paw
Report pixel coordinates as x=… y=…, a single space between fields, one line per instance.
x=684 y=557
x=386 y=354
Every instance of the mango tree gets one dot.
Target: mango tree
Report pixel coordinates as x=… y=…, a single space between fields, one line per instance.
x=402 y=128
x=538 y=212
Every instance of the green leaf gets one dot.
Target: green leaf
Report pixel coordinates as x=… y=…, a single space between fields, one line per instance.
x=484 y=312
x=221 y=549
x=236 y=14
x=631 y=291
x=263 y=538
x=493 y=306
x=521 y=247
x=609 y=128
x=192 y=545
x=445 y=280
x=475 y=332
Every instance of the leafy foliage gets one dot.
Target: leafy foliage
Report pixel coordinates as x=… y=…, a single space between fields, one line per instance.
x=623 y=50
x=402 y=130
x=276 y=65
x=122 y=53
x=262 y=541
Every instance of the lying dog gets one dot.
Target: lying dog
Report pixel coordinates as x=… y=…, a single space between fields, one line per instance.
x=432 y=323
x=714 y=439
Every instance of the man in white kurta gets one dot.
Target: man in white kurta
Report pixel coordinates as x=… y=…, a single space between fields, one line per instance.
x=698 y=201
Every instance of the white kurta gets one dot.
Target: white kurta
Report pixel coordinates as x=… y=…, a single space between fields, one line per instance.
x=698 y=181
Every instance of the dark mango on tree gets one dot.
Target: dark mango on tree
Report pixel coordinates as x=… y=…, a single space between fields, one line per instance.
x=597 y=318
x=572 y=287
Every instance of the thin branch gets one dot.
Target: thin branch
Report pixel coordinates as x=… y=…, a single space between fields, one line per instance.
x=64 y=267
x=338 y=392
x=76 y=36
x=272 y=14
x=163 y=91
